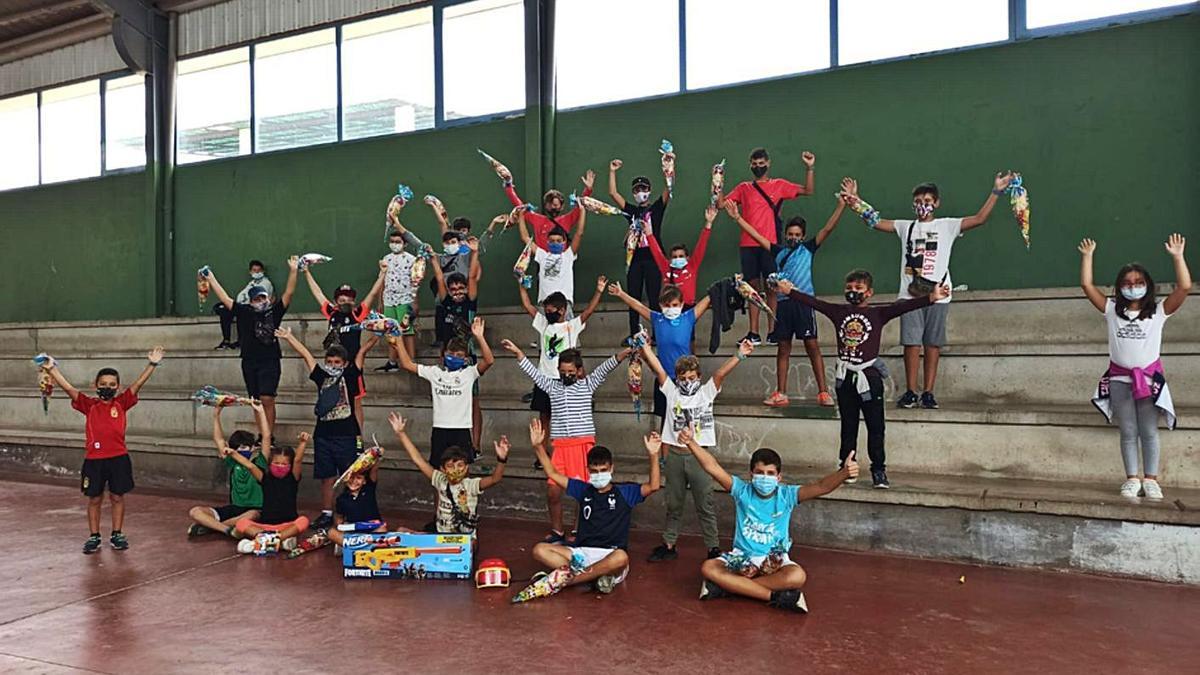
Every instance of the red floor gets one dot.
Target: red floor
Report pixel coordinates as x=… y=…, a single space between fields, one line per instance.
x=170 y=605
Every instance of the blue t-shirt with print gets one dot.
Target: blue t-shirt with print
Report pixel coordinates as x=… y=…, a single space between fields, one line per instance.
x=674 y=337
x=796 y=266
x=604 y=517
x=761 y=524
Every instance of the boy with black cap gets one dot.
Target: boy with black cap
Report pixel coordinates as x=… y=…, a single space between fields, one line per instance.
x=645 y=222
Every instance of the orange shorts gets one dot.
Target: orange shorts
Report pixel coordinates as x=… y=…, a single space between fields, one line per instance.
x=301 y=524
x=570 y=456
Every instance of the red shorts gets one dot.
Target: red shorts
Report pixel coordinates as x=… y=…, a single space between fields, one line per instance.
x=570 y=456
x=301 y=524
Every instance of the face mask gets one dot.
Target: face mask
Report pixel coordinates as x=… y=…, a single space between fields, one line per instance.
x=688 y=387
x=553 y=317
x=854 y=297
x=793 y=243
x=678 y=263
x=245 y=451
x=450 y=249
x=106 y=393
x=261 y=306
x=568 y=380
x=346 y=307
x=454 y=362
x=280 y=470
x=672 y=313
x=765 y=485
x=257 y=276
x=331 y=370
x=1133 y=292
x=396 y=248
x=556 y=247
x=758 y=171
x=456 y=475
x=600 y=479
x=922 y=209
x=641 y=197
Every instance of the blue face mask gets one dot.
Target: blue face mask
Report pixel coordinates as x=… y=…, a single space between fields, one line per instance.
x=556 y=247
x=245 y=451
x=454 y=362
x=678 y=263
x=765 y=485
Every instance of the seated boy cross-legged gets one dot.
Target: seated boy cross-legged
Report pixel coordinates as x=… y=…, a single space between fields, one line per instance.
x=605 y=508
x=758 y=566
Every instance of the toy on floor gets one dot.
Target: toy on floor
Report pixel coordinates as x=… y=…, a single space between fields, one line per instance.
x=312 y=542
x=492 y=573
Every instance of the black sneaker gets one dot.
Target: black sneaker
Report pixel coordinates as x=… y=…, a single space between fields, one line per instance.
x=754 y=339
x=387 y=367
x=555 y=538
x=537 y=465
x=323 y=522
x=118 y=541
x=197 y=530
x=879 y=479
x=711 y=591
x=527 y=397
x=662 y=552
x=235 y=345
x=91 y=545
x=928 y=401
x=908 y=400
x=771 y=339
x=789 y=600
x=713 y=552
x=224 y=345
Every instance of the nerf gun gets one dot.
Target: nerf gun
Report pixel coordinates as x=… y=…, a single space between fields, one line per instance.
x=718 y=181
x=309 y=259
x=522 y=264
x=668 y=165
x=211 y=396
x=45 y=382
x=1018 y=198
x=367 y=459
x=747 y=291
x=376 y=559
x=202 y=284
x=501 y=170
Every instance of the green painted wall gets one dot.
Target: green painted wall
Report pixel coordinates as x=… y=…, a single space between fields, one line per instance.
x=76 y=251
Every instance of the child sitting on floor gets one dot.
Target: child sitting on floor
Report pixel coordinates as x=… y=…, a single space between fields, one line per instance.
x=245 y=494
x=357 y=504
x=457 y=495
x=279 y=523
x=758 y=566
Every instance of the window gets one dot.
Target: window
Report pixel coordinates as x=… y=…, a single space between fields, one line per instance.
x=295 y=91
x=387 y=74
x=19 y=138
x=212 y=115
x=483 y=58
x=618 y=49
x=734 y=42
x=1040 y=13
x=71 y=132
x=870 y=30
x=125 y=122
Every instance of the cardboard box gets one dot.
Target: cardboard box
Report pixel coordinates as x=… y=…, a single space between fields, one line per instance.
x=404 y=555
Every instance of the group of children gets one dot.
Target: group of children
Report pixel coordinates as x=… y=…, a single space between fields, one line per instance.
x=264 y=477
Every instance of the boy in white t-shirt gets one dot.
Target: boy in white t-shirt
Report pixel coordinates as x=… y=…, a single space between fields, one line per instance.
x=925 y=245
x=689 y=407
x=452 y=386
x=556 y=263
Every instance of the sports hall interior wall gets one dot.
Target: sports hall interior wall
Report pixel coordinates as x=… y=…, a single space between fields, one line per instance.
x=1057 y=109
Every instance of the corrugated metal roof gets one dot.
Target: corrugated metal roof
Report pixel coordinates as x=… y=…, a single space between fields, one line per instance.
x=19 y=18
x=78 y=61
x=240 y=21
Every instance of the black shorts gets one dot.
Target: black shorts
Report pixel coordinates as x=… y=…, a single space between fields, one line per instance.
x=757 y=263
x=230 y=511
x=541 y=401
x=114 y=473
x=660 y=401
x=794 y=320
x=440 y=439
x=332 y=455
x=261 y=377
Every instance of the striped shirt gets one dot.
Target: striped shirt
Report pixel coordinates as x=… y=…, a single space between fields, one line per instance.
x=570 y=407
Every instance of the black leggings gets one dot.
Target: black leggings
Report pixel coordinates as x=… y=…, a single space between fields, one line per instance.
x=226 y=320
x=850 y=403
x=643 y=274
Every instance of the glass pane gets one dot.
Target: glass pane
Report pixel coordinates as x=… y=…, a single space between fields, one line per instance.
x=870 y=30
x=125 y=122
x=596 y=66
x=387 y=74
x=19 y=138
x=212 y=113
x=295 y=91
x=1040 y=13
x=728 y=42
x=483 y=58
x=71 y=132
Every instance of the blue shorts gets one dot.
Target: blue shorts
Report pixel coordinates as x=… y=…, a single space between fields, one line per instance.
x=332 y=455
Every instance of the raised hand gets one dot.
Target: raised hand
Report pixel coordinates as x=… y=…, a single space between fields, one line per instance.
x=745 y=348
x=1003 y=178
x=255 y=405
x=383 y=265
x=731 y=208
x=537 y=435
x=615 y=165
x=684 y=435
x=304 y=437
x=399 y=424
x=1087 y=247
x=156 y=355
x=1175 y=244
x=785 y=286
x=808 y=158
x=710 y=214
x=589 y=178
x=653 y=443
x=502 y=448
x=850 y=186
x=851 y=466
x=505 y=174
x=509 y=347
x=293 y=262
x=614 y=288
x=601 y=282
x=477 y=327
x=283 y=332
x=473 y=243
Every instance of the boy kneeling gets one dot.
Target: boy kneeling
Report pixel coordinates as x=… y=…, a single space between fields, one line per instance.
x=758 y=566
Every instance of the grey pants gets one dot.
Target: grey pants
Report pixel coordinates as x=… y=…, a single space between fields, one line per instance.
x=1135 y=419
x=684 y=473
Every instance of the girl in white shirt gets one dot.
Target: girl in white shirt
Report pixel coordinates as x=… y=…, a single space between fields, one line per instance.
x=1133 y=389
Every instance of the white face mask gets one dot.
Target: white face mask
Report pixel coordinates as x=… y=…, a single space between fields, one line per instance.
x=450 y=249
x=672 y=313
x=600 y=479
x=1134 y=292
x=641 y=197
x=257 y=276
x=396 y=248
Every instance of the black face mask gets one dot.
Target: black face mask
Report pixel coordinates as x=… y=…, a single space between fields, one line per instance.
x=568 y=380
x=855 y=297
x=793 y=243
x=758 y=171
x=553 y=317
x=106 y=393
x=346 y=307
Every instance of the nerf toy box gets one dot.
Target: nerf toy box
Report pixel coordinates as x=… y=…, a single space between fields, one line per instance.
x=404 y=555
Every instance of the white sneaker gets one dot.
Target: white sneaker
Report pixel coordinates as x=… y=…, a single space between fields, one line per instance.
x=245 y=546
x=1130 y=488
x=1151 y=489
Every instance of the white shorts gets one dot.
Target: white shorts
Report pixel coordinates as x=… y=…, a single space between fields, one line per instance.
x=593 y=555
x=751 y=566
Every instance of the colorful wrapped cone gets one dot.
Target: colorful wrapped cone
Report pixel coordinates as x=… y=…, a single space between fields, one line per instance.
x=45 y=381
x=309 y=259
x=548 y=585
x=211 y=396
x=594 y=205
x=501 y=170
x=404 y=194
x=316 y=540
x=864 y=210
x=416 y=274
x=718 y=181
x=380 y=325
x=365 y=460
x=436 y=204
x=522 y=263
x=1018 y=198
x=633 y=381
x=668 y=165
x=747 y=291
x=202 y=286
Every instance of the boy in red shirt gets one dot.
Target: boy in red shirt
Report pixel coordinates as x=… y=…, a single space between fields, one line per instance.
x=106 y=462
x=554 y=209
x=682 y=269
x=760 y=201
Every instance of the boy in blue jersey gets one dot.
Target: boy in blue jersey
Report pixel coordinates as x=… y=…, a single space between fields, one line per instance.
x=758 y=566
x=794 y=262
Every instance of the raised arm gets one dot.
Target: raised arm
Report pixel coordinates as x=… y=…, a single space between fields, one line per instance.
x=643 y=311
x=440 y=213
x=435 y=261
x=61 y=380
x=264 y=425
x=577 y=236
x=849 y=194
x=601 y=282
x=290 y=289
x=1086 y=248
x=250 y=466
x=473 y=270
x=406 y=361
x=1183 y=277
x=361 y=357
x=732 y=209
x=818 y=304
x=522 y=227
x=810 y=161
x=218 y=434
x=302 y=440
x=525 y=301
x=831 y=223
x=544 y=383
x=285 y=334
x=697 y=257
x=219 y=290
x=537 y=438
x=656 y=367
x=313 y=286
x=400 y=426
x=486 y=359
x=596 y=378
x=702 y=306
x=377 y=287
x=656 y=252
x=613 y=192
x=653 y=447
x=831 y=482
x=981 y=216
x=502 y=448
x=744 y=350
x=154 y=358
x=705 y=459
